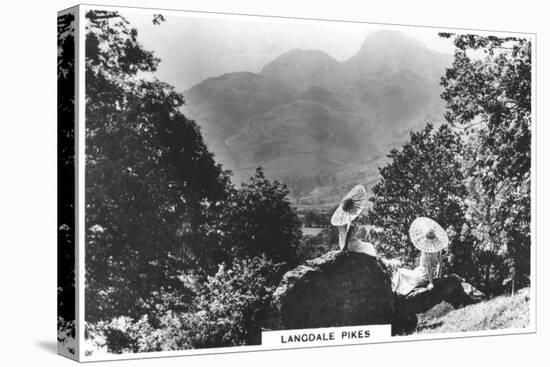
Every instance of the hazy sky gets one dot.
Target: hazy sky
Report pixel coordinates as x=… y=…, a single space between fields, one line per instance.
x=194 y=47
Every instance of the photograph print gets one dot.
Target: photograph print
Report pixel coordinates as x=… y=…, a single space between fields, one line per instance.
x=245 y=175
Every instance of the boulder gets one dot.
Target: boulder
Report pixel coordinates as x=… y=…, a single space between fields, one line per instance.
x=340 y=288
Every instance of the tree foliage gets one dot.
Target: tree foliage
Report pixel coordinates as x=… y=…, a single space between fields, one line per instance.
x=256 y=219
x=424 y=178
x=233 y=303
x=473 y=175
x=148 y=172
x=227 y=310
x=158 y=207
x=488 y=95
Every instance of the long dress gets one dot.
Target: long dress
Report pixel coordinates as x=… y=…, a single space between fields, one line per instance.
x=405 y=280
x=356 y=245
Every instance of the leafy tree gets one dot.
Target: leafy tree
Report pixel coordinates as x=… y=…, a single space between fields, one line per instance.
x=424 y=178
x=488 y=95
x=255 y=219
x=148 y=174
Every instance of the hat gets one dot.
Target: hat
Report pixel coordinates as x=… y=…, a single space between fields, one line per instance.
x=427 y=235
x=351 y=206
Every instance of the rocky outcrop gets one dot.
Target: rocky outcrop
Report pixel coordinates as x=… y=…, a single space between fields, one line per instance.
x=336 y=289
x=344 y=288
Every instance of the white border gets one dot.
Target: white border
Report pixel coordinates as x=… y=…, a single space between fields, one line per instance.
x=83 y=8
x=288 y=19
x=533 y=310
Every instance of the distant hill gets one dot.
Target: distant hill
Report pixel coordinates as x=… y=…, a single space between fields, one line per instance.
x=320 y=125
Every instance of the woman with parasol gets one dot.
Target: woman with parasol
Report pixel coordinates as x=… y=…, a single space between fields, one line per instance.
x=350 y=208
x=430 y=238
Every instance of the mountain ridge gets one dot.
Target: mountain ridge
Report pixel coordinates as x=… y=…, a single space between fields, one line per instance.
x=318 y=124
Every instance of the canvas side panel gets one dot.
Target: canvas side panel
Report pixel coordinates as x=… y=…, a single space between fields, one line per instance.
x=66 y=159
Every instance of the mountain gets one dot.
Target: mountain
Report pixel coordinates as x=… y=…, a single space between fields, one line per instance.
x=392 y=53
x=300 y=69
x=317 y=124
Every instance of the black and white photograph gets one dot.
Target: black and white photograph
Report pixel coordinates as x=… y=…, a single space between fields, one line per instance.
x=238 y=182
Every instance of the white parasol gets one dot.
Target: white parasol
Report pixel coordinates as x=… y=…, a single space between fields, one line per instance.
x=351 y=207
x=427 y=235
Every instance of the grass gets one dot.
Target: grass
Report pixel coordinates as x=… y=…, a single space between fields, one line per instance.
x=503 y=312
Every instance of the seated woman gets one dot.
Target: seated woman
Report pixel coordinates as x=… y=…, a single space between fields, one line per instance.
x=430 y=238
x=350 y=208
x=349 y=240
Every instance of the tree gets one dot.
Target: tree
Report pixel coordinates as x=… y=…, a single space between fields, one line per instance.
x=256 y=219
x=148 y=174
x=424 y=178
x=488 y=95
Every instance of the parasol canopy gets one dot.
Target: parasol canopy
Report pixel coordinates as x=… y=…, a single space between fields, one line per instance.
x=351 y=207
x=427 y=235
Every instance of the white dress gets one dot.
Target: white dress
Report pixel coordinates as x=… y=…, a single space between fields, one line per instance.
x=405 y=280
x=356 y=245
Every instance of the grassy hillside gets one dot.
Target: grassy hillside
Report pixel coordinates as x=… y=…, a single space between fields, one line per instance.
x=502 y=312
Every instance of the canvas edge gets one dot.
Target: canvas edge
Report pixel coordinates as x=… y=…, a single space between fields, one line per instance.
x=62 y=350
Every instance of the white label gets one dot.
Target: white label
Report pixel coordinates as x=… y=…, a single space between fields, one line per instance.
x=326 y=336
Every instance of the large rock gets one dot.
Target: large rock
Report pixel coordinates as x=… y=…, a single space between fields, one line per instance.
x=336 y=289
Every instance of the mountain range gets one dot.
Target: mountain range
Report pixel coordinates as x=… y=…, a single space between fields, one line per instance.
x=318 y=124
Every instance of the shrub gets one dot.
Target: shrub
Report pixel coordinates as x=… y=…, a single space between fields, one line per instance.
x=233 y=304
x=126 y=335
x=229 y=308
